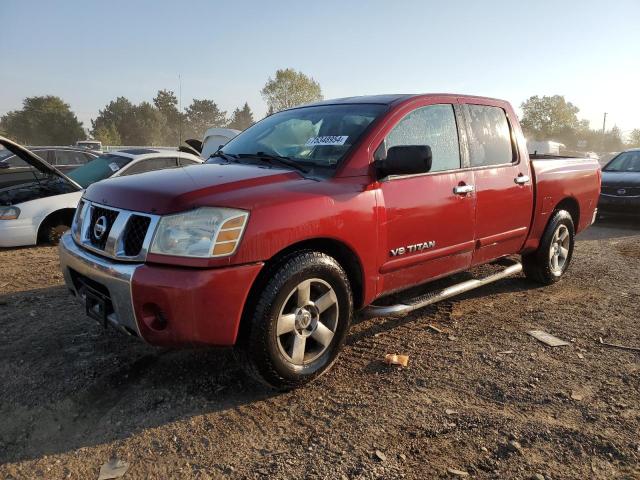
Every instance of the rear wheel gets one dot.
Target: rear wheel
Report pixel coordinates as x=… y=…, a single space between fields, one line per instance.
x=547 y=264
x=300 y=322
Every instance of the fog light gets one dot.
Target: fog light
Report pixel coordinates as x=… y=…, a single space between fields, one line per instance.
x=154 y=317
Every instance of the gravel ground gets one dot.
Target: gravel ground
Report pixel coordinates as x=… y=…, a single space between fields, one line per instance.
x=481 y=397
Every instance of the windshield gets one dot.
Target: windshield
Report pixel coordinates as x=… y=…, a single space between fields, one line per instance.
x=98 y=169
x=625 y=162
x=312 y=136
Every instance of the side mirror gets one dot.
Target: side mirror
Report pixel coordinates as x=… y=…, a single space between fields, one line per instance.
x=4 y=164
x=405 y=160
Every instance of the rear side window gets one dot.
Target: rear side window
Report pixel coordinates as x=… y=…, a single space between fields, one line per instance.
x=150 y=165
x=435 y=126
x=70 y=157
x=490 y=137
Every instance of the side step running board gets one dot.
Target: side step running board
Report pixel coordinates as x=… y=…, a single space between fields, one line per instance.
x=436 y=296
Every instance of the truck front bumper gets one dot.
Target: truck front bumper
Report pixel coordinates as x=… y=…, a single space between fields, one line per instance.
x=168 y=306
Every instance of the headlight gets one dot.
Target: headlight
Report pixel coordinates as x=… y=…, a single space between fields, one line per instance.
x=205 y=232
x=9 y=213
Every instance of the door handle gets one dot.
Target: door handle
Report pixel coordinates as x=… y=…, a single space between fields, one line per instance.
x=522 y=179
x=463 y=189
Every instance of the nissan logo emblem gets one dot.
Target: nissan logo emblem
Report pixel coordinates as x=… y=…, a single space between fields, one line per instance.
x=100 y=227
x=622 y=191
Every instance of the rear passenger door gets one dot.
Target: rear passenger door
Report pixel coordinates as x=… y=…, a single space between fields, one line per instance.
x=503 y=183
x=427 y=220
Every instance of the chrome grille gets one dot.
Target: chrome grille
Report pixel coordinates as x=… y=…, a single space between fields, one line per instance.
x=135 y=234
x=107 y=217
x=121 y=234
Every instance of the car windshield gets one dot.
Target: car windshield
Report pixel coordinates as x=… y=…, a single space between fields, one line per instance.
x=98 y=169
x=625 y=162
x=315 y=136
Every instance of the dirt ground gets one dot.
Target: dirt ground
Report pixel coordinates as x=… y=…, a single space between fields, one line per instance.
x=482 y=397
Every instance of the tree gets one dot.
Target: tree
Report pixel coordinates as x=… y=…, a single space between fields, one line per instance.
x=167 y=104
x=114 y=120
x=550 y=118
x=241 y=119
x=289 y=89
x=612 y=141
x=634 y=139
x=129 y=124
x=107 y=134
x=148 y=126
x=46 y=120
x=202 y=115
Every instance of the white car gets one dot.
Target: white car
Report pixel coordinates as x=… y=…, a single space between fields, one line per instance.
x=42 y=210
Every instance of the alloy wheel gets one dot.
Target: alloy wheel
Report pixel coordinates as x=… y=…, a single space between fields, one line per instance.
x=307 y=321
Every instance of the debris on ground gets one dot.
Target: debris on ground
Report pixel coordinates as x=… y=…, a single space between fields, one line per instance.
x=395 y=359
x=617 y=345
x=381 y=456
x=434 y=328
x=114 y=468
x=448 y=411
x=505 y=352
x=457 y=473
x=515 y=446
x=547 y=338
x=576 y=396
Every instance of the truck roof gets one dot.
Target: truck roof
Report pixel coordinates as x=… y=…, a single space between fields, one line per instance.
x=389 y=99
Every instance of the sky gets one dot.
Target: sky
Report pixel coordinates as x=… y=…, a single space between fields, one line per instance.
x=90 y=52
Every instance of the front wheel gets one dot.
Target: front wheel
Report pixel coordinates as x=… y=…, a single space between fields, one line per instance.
x=52 y=232
x=300 y=322
x=550 y=261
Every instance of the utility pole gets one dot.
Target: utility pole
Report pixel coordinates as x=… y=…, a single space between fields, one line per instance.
x=604 y=125
x=180 y=110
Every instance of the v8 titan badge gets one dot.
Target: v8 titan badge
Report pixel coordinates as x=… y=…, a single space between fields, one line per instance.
x=416 y=247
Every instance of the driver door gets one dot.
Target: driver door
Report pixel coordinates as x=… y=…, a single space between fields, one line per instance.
x=427 y=221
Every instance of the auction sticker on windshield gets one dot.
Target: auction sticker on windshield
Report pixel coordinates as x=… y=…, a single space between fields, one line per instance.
x=327 y=140
x=114 y=167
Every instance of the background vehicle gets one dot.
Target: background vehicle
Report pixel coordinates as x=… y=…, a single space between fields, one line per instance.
x=621 y=185
x=42 y=210
x=94 y=145
x=14 y=170
x=318 y=211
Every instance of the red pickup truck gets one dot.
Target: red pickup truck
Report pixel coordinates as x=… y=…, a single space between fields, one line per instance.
x=317 y=212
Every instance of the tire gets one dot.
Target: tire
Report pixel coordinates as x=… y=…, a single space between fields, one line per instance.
x=552 y=258
x=52 y=231
x=300 y=322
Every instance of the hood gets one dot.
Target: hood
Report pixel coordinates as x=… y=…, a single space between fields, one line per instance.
x=620 y=179
x=179 y=189
x=35 y=161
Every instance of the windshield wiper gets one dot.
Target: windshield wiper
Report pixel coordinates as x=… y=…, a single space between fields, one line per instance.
x=275 y=158
x=225 y=156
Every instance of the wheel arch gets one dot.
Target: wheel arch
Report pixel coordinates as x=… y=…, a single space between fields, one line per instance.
x=344 y=255
x=571 y=205
x=65 y=214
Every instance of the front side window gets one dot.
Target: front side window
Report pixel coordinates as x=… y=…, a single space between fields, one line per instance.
x=625 y=162
x=315 y=136
x=490 y=137
x=434 y=126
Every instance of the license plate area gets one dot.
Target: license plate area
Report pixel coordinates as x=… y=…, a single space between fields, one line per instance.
x=96 y=304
